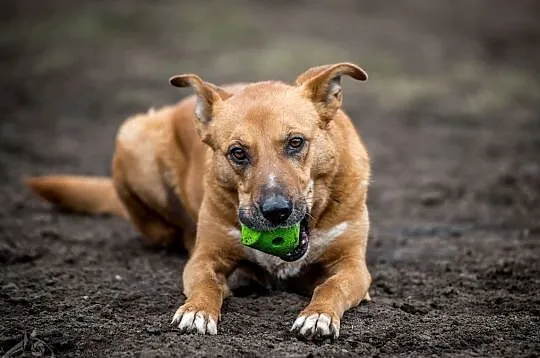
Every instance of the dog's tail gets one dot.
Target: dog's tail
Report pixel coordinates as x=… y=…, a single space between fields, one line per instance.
x=90 y=195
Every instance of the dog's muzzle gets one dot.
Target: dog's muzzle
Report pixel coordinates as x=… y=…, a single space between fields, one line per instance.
x=279 y=213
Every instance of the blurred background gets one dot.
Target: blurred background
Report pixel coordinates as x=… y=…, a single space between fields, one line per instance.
x=450 y=116
x=73 y=70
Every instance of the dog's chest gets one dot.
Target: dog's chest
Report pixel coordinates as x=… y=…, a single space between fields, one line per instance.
x=319 y=241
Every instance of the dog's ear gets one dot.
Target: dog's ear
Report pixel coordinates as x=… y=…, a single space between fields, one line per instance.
x=323 y=86
x=208 y=94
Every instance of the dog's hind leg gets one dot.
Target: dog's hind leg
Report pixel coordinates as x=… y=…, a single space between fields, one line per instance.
x=140 y=180
x=139 y=187
x=150 y=224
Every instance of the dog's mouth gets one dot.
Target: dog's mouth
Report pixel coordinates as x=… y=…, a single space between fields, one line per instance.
x=303 y=243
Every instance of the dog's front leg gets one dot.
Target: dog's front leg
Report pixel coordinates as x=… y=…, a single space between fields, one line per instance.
x=205 y=285
x=346 y=285
x=342 y=290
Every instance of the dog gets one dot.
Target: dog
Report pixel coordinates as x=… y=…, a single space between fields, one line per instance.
x=265 y=154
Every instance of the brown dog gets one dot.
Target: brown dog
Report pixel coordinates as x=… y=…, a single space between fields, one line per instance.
x=275 y=155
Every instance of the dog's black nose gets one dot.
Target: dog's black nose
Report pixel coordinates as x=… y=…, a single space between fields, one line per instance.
x=276 y=208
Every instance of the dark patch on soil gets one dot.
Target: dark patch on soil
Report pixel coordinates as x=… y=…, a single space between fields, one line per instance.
x=451 y=117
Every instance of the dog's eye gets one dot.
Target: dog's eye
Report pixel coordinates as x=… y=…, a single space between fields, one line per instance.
x=295 y=143
x=238 y=155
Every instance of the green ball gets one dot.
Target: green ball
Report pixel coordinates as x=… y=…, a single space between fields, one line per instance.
x=276 y=242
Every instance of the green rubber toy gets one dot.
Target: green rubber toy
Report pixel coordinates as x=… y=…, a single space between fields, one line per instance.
x=276 y=242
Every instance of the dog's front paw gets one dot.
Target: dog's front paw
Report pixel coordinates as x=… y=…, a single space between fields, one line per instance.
x=191 y=319
x=316 y=326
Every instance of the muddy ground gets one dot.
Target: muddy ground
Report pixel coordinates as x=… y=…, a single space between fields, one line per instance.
x=451 y=116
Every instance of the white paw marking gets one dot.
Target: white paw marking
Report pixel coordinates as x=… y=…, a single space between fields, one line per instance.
x=316 y=327
x=200 y=322
x=194 y=322
x=298 y=323
x=211 y=326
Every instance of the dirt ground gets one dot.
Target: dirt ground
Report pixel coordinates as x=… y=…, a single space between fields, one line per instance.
x=451 y=117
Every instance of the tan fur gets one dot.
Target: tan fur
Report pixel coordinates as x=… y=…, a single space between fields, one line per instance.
x=90 y=195
x=173 y=187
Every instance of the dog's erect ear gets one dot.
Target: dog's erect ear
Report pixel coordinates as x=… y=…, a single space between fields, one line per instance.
x=323 y=85
x=208 y=94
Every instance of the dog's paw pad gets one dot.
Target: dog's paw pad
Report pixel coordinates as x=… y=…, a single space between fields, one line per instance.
x=194 y=322
x=317 y=326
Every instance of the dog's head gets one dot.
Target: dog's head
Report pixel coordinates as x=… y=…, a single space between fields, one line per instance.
x=271 y=140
